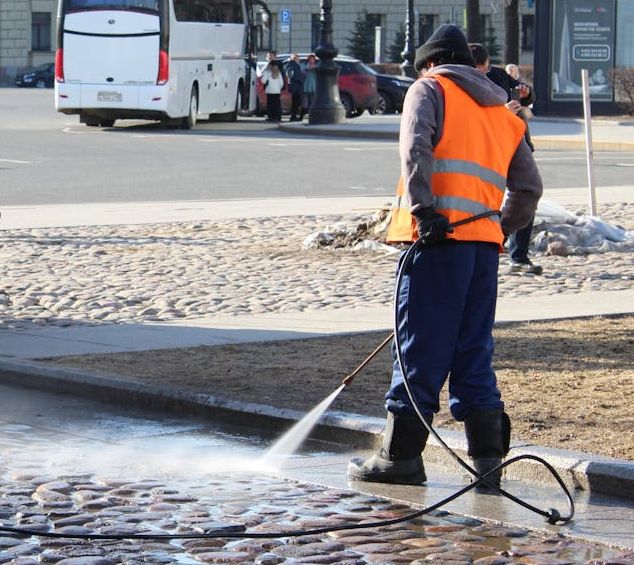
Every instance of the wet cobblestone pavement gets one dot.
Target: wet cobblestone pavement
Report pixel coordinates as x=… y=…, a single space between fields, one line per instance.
x=79 y=504
x=67 y=482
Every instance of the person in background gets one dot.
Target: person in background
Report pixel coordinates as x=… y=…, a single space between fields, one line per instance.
x=513 y=70
x=519 y=97
x=271 y=57
x=295 y=76
x=460 y=151
x=273 y=81
x=310 y=83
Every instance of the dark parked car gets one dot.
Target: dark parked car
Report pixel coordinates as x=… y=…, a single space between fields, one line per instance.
x=37 y=77
x=392 y=90
x=357 y=86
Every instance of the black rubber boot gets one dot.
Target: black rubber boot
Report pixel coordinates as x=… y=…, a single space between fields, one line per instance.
x=398 y=460
x=488 y=436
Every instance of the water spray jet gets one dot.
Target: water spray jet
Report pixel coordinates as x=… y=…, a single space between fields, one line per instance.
x=293 y=438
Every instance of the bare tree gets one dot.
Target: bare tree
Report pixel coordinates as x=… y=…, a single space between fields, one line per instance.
x=473 y=21
x=511 y=32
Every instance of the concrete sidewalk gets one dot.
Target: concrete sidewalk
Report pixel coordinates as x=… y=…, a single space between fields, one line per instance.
x=19 y=348
x=37 y=343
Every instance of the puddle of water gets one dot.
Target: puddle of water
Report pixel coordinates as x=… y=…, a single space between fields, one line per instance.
x=288 y=444
x=181 y=455
x=118 y=445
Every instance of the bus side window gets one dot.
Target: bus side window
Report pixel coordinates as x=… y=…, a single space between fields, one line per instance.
x=229 y=11
x=215 y=11
x=147 y=5
x=234 y=11
x=180 y=10
x=207 y=11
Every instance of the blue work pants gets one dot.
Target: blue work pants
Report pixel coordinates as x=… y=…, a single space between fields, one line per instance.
x=446 y=309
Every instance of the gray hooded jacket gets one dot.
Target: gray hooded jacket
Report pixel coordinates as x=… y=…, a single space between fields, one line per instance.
x=421 y=129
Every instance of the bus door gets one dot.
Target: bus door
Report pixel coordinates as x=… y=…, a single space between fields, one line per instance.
x=258 y=14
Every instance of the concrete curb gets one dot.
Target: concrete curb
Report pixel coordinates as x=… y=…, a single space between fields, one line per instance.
x=543 y=142
x=595 y=121
x=371 y=132
x=343 y=130
x=592 y=473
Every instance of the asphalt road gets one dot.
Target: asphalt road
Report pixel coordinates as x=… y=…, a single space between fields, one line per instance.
x=49 y=158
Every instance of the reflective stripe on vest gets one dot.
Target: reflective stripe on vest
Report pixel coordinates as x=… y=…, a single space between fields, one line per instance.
x=463 y=205
x=469 y=169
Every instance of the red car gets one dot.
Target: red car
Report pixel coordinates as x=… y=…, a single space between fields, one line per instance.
x=357 y=86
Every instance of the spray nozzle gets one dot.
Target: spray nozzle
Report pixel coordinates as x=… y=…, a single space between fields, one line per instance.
x=347 y=381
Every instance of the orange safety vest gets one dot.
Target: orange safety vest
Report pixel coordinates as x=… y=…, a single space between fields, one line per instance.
x=471 y=161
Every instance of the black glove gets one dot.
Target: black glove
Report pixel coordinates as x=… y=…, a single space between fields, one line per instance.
x=432 y=227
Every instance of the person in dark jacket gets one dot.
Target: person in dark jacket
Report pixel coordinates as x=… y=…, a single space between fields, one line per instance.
x=295 y=76
x=514 y=88
x=461 y=150
x=520 y=96
x=310 y=83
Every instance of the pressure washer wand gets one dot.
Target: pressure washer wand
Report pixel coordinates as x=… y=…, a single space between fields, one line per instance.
x=347 y=381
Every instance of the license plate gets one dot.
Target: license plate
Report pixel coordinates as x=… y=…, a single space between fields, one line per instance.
x=105 y=96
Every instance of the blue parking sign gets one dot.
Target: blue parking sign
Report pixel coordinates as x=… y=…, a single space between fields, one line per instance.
x=285 y=21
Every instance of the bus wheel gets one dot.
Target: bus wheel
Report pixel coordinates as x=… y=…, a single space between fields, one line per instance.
x=90 y=121
x=106 y=123
x=233 y=116
x=189 y=121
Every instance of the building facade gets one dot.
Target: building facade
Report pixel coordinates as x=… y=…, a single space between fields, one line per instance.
x=27 y=27
x=301 y=33
x=27 y=35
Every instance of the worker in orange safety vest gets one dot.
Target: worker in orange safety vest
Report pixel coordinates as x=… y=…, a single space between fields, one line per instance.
x=462 y=154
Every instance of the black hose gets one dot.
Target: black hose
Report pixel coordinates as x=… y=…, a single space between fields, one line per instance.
x=552 y=515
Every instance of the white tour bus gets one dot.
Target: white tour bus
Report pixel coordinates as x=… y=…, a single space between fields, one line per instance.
x=167 y=60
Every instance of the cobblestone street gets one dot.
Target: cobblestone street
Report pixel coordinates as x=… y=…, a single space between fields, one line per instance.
x=53 y=481
x=180 y=271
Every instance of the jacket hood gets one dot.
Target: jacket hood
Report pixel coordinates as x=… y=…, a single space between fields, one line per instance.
x=474 y=82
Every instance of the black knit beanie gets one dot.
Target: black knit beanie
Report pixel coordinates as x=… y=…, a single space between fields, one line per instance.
x=447 y=44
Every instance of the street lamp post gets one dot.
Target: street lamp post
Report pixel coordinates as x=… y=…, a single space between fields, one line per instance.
x=326 y=107
x=407 y=67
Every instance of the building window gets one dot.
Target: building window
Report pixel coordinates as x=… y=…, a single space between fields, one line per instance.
x=41 y=31
x=528 y=32
x=374 y=21
x=624 y=36
x=489 y=39
x=315 y=28
x=486 y=23
x=426 y=26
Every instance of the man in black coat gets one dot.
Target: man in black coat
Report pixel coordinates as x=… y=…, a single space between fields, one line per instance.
x=295 y=76
x=520 y=96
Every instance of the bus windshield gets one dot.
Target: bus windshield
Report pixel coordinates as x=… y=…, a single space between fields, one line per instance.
x=151 y=6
